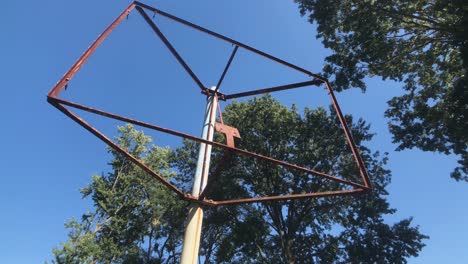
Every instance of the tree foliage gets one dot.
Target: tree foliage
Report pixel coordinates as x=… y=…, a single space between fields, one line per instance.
x=325 y=230
x=136 y=220
x=423 y=44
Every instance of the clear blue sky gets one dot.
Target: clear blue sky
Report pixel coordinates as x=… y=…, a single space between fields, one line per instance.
x=46 y=158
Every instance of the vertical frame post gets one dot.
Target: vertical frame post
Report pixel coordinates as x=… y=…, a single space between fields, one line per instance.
x=192 y=235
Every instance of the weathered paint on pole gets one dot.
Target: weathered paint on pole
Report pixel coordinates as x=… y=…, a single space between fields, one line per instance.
x=192 y=236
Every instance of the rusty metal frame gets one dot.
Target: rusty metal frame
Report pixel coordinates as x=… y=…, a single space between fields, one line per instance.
x=62 y=105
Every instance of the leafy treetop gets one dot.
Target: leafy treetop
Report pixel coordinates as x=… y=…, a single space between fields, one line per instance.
x=423 y=44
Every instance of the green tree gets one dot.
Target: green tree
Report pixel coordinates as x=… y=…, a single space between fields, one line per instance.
x=423 y=44
x=135 y=219
x=325 y=230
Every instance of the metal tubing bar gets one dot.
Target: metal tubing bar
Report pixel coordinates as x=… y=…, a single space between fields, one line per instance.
x=288 y=197
x=170 y=47
x=200 y=201
x=222 y=37
x=349 y=137
x=116 y=147
x=212 y=203
x=273 y=89
x=213 y=176
x=209 y=92
x=176 y=133
x=226 y=68
x=204 y=156
x=89 y=51
x=194 y=221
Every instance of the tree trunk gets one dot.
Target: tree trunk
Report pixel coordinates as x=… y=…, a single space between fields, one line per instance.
x=288 y=252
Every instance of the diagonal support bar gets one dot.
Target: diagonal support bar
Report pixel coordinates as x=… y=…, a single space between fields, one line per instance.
x=226 y=68
x=230 y=40
x=116 y=147
x=349 y=137
x=214 y=176
x=89 y=51
x=170 y=47
x=179 y=134
x=289 y=197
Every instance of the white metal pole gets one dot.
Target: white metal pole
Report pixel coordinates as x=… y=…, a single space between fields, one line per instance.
x=192 y=235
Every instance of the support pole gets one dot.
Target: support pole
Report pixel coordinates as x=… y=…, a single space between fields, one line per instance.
x=192 y=235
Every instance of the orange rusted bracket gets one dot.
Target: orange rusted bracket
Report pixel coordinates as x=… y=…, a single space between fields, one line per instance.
x=229 y=132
